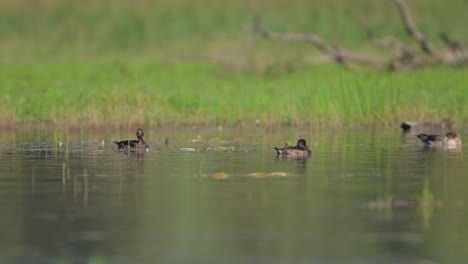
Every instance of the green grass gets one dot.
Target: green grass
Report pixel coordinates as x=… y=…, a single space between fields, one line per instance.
x=194 y=93
x=124 y=63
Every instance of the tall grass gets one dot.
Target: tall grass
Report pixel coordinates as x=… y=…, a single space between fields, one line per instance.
x=194 y=93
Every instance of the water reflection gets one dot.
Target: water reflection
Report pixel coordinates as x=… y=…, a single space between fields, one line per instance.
x=363 y=197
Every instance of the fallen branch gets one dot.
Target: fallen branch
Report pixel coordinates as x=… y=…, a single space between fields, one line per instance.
x=391 y=42
x=460 y=55
x=404 y=57
x=411 y=28
x=339 y=56
x=293 y=37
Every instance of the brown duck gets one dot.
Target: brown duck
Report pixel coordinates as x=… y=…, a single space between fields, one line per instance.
x=300 y=150
x=450 y=140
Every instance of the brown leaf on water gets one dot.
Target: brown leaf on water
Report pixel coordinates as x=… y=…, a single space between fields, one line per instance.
x=257 y=175
x=219 y=176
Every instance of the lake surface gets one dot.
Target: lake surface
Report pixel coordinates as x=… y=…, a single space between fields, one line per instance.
x=209 y=196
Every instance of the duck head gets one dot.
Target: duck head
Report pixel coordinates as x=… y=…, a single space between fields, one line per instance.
x=301 y=143
x=140 y=133
x=452 y=135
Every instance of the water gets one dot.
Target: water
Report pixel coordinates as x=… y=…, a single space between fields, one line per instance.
x=365 y=196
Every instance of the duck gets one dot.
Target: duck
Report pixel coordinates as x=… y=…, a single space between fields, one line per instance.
x=414 y=127
x=300 y=150
x=450 y=140
x=133 y=144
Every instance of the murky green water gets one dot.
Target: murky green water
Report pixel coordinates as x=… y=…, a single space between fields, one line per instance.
x=363 y=197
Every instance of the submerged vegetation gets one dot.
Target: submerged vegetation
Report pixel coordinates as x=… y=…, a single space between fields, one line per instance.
x=177 y=62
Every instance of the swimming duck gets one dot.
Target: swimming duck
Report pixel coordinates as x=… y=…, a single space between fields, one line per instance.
x=413 y=127
x=140 y=143
x=450 y=140
x=300 y=150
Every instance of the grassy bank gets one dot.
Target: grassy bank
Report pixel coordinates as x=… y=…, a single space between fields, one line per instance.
x=112 y=63
x=193 y=93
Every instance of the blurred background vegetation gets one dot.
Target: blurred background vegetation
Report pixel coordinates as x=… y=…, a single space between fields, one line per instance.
x=99 y=61
x=94 y=30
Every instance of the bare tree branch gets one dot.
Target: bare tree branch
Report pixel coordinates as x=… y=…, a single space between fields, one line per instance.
x=459 y=53
x=295 y=37
x=411 y=28
x=453 y=45
x=340 y=56
x=399 y=49
x=404 y=57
